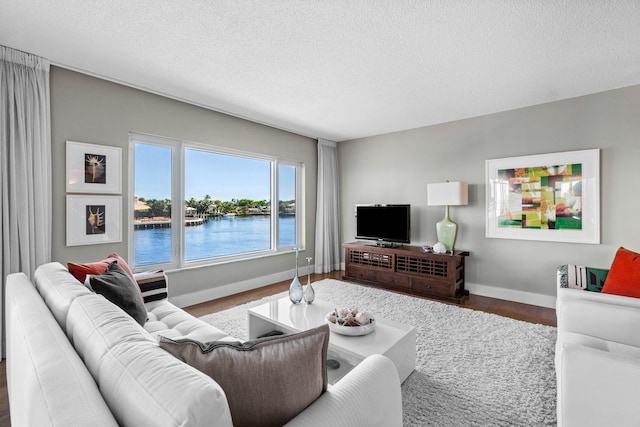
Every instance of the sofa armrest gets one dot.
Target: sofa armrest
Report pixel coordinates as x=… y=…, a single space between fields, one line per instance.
x=596 y=387
x=604 y=316
x=47 y=382
x=369 y=395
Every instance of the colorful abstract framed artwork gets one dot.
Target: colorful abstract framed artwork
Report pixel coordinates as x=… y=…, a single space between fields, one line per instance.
x=551 y=197
x=93 y=219
x=93 y=168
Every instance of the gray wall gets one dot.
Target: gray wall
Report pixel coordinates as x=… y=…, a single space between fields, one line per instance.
x=88 y=109
x=392 y=168
x=395 y=168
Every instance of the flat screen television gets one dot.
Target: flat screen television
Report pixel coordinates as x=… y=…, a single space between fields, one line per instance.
x=386 y=224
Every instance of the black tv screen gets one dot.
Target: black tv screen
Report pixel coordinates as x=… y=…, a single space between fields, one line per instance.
x=385 y=223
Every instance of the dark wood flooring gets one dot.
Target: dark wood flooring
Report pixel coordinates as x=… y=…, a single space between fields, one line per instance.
x=524 y=312
x=4 y=397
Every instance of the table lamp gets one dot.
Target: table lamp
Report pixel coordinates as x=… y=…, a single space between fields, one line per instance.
x=447 y=194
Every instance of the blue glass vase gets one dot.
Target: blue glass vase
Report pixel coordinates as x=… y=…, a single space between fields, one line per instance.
x=295 y=290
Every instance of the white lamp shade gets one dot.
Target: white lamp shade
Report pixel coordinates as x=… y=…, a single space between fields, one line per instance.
x=448 y=194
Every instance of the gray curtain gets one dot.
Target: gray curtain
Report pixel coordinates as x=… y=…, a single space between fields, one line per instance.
x=328 y=209
x=25 y=163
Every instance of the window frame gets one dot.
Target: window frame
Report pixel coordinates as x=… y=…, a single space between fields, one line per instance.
x=178 y=252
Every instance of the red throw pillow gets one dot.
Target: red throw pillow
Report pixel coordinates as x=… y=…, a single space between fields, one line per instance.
x=624 y=275
x=80 y=271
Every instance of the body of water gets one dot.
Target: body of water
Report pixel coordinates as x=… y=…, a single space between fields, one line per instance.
x=216 y=237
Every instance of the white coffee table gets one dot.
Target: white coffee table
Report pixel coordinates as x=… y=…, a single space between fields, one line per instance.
x=392 y=339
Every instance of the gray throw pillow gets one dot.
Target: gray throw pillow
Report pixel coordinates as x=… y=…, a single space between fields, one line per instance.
x=116 y=286
x=267 y=381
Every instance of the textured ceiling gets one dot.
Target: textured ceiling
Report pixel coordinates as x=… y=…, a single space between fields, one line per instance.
x=340 y=69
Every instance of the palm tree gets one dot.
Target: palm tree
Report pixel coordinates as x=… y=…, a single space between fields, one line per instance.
x=159 y=207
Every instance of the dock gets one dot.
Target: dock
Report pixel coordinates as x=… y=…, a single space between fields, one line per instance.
x=145 y=225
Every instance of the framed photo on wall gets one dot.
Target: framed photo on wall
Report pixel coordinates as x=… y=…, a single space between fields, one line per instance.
x=551 y=197
x=93 y=168
x=93 y=219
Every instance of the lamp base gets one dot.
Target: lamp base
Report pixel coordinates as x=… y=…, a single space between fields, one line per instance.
x=447 y=231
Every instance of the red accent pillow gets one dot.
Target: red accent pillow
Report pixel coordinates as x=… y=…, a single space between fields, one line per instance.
x=80 y=271
x=624 y=275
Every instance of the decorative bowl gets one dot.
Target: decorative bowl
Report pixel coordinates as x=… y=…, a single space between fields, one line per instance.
x=350 y=330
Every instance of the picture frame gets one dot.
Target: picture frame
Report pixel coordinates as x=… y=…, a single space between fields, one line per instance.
x=93 y=168
x=551 y=197
x=93 y=219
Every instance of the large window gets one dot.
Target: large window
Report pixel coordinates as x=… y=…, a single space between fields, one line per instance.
x=194 y=204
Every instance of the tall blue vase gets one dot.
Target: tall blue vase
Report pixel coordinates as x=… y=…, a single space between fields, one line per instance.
x=295 y=290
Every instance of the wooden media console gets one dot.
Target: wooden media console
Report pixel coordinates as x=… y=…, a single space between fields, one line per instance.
x=407 y=269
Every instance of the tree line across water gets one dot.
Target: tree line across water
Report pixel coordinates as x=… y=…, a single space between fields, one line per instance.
x=207 y=206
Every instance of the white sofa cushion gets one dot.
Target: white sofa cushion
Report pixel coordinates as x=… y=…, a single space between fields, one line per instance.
x=142 y=384
x=58 y=288
x=167 y=320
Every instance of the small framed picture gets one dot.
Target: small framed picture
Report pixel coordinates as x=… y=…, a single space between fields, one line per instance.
x=93 y=219
x=93 y=168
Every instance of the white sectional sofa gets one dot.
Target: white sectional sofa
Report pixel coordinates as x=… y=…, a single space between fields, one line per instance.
x=597 y=355
x=76 y=359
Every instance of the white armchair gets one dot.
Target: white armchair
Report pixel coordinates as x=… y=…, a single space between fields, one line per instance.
x=597 y=357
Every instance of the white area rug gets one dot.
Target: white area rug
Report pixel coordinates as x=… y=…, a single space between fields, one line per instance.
x=472 y=369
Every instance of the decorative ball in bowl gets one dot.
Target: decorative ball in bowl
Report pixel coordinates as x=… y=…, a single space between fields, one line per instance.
x=350 y=321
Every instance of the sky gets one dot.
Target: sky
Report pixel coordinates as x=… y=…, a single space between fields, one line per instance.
x=222 y=177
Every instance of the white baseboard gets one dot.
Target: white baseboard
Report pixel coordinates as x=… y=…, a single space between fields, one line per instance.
x=232 y=288
x=523 y=297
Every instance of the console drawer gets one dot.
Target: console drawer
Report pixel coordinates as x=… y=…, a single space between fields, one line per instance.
x=360 y=273
x=431 y=287
x=393 y=279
